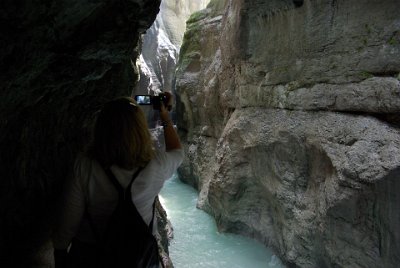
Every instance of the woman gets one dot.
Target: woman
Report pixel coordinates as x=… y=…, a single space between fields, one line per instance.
x=122 y=143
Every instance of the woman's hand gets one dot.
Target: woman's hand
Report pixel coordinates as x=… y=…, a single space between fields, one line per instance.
x=164 y=115
x=170 y=100
x=171 y=137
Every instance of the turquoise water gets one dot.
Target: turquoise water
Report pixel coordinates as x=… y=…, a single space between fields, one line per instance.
x=197 y=242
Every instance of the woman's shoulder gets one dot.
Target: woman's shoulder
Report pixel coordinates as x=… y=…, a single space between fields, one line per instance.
x=166 y=163
x=85 y=165
x=163 y=157
x=83 y=160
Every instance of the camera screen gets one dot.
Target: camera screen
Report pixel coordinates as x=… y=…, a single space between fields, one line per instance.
x=143 y=99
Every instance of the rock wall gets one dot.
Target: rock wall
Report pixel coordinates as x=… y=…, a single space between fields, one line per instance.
x=161 y=45
x=60 y=60
x=289 y=111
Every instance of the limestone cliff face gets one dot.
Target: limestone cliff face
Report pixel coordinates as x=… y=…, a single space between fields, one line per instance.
x=160 y=49
x=161 y=45
x=60 y=60
x=289 y=112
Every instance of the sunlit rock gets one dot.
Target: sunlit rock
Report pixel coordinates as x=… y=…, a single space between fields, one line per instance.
x=161 y=45
x=289 y=111
x=320 y=188
x=199 y=108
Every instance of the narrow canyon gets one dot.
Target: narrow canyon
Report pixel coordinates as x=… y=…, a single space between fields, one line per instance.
x=289 y=112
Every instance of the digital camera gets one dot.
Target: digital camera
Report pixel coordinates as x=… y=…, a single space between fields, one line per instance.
x=152 y=100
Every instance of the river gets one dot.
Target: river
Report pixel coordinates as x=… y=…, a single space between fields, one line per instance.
x=197 y=243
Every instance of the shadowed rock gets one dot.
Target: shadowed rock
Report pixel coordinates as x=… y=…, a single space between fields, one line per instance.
x=60 y=61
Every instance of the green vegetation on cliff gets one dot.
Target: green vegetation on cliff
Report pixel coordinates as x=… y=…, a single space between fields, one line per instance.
x=216 y=7
x=191 y=40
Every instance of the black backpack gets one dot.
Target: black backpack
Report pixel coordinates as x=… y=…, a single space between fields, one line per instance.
x=128 y=241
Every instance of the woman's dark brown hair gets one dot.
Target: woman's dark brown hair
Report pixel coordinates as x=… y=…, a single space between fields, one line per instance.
x=121 y=136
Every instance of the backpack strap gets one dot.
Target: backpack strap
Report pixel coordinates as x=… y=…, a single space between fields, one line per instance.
x=153 y=215
x=124 y=193
x=121 y=193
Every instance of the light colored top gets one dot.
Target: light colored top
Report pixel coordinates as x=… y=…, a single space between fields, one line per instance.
x=90 y=183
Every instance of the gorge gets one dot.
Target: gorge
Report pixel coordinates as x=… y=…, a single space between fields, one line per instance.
x=290 y=116
x=288 y=111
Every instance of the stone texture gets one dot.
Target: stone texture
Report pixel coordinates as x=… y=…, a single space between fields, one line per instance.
x=174 y=15
x=60 y=60
x=373 y=95
x=164 y=235
x=310 y=185
x=290 y=114
x=197 y=85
